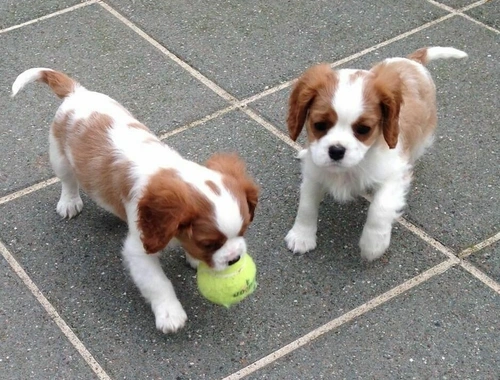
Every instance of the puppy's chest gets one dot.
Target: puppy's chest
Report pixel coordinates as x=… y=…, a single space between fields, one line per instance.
x=346 y=186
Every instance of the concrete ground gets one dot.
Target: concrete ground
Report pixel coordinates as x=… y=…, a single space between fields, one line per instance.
x=215 y=75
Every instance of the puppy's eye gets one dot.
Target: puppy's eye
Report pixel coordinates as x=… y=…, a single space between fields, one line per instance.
x=320 y=126
x=210 y=245
x=362 y=129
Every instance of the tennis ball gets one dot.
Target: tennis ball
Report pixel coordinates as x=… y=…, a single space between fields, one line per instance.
x=230 y=285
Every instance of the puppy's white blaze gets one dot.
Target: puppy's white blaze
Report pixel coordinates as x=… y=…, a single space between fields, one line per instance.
x=228 y=215
x=348 y=98
x=227 y=210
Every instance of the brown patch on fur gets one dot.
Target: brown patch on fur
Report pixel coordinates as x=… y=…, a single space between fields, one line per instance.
x=419 y=56
x=213 y=187
x=371 y=118
x=407 y=104
x=237 y=182
x=100 y=173
x=59 y=129
x=317 y=86
x=60 y=83
x=172 y=208
x=388 y=87
x=356 y=75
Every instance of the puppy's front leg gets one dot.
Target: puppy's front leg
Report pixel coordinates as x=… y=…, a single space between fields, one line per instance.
x=387 y=205
x=154 y=285
x=302 y=237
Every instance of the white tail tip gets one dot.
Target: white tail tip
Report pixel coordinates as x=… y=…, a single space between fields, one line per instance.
x=438 y=52
x=26 y=77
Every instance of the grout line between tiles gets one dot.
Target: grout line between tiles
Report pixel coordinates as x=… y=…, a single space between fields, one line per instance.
x=28 y=190
x=343 y=319
x=442 y=6
x=50 y=15
x=473 y=5
x=479 y=246
x=207 y=82
x=459 y=12
x=467 y=17
x=485 y=279
x=352 y=57
x=54 y=315
x=271 y=128
x=428 y=239
x=198 y=122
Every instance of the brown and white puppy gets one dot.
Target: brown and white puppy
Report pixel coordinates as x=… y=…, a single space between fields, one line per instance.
x=97 y=145
x=365 y=131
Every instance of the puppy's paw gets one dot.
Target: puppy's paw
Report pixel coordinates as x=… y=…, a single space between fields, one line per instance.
x=170 y=316
x=374 y=242
x=300 y=240
x=69 y=207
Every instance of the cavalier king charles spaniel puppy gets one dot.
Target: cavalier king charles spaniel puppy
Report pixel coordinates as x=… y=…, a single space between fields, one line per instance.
x=96 y=144
x=365 y=130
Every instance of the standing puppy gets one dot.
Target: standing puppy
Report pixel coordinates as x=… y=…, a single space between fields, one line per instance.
x=365 y=131
x=97 y=145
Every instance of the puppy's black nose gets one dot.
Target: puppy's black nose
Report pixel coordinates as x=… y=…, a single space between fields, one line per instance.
x=336 y=152
x=234 y=261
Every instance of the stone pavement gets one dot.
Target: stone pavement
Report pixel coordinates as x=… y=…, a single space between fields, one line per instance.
x=215 y=75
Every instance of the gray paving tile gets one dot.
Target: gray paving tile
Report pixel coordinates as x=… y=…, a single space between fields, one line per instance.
x=457 y=4
x=488 y=13
x=31 y=345
x=104 y=55
x=246 y=46
x=14 y=12
x=77 y=264
x=455 y=191
x=488 y=260
x=447 y=328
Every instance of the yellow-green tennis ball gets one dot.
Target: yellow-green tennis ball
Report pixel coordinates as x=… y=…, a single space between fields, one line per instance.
x=230 y=285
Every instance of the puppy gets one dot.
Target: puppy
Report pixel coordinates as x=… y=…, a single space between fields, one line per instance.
x=365 y=131
x=97 y=145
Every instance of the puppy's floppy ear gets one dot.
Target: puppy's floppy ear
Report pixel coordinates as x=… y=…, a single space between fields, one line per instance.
x=303 y=94
x=163 y=210
x=232 y=165
x=389 y=88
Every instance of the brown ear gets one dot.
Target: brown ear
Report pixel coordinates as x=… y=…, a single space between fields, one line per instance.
x=303 y=94
x=163 y=209
x=388 y=85
x=232 y=165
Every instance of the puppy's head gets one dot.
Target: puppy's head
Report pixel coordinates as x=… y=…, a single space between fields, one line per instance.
x=207 y=214
x=345 y=113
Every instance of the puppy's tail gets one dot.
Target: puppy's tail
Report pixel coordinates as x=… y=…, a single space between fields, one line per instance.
x=60 y=83
x=427 y=54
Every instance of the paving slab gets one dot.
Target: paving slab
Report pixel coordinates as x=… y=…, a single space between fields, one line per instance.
x=31 y=345
x=247 y=46
x=488 y=13
x=77 y=265
x=104 y=55
x=14 y=12
x=457 y=4
x=455 y=191
x=446 y=328
x=488 y=260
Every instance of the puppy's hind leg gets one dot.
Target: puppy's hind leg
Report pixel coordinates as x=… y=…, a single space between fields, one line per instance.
x=70 y=204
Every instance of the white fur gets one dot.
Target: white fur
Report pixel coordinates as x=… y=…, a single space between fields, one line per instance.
x=131 y=145
x=439 y=52
x=26 y=77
